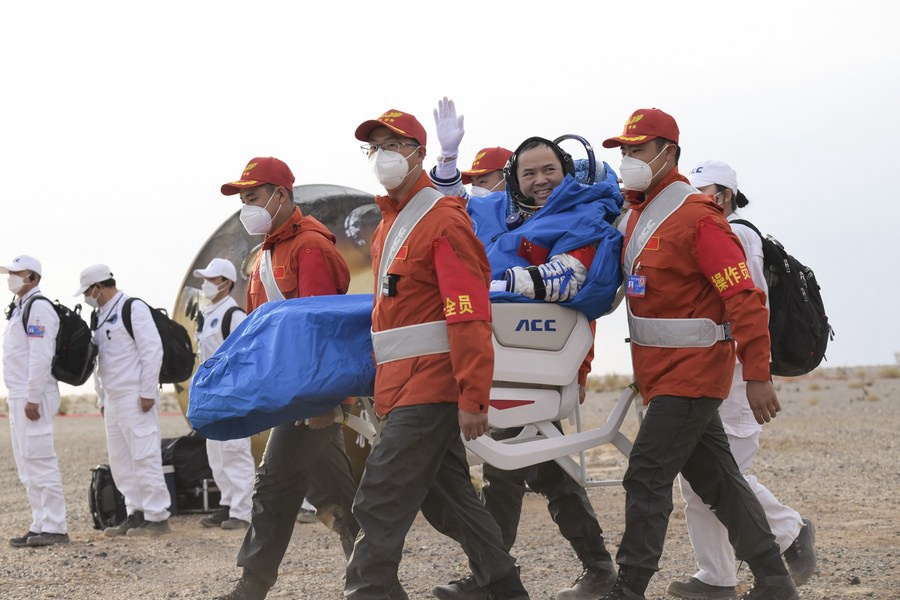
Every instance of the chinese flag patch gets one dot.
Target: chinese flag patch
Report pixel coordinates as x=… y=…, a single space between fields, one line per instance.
x=533 y=253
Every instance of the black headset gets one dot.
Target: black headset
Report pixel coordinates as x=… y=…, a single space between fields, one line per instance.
x=509 y=171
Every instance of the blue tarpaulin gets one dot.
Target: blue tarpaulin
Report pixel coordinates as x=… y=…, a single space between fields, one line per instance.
x=287 y=361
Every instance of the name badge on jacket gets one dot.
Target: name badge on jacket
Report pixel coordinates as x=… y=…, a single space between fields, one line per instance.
x=636 y=286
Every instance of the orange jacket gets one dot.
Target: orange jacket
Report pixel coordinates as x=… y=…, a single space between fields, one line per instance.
x=442 y=273
x=695 y=267
x=305 y=262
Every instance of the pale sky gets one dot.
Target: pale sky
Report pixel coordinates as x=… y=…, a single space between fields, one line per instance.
x=121 y=120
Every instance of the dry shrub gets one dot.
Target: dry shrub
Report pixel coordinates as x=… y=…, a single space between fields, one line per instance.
x=607 y=383
x=812 y=401
x=814 y=387
x=856 y=385
x=889 y=373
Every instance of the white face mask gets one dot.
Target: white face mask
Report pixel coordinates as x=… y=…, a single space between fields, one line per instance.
x=91 y=301
x=478 y=192
x=636 y=174
x=389 y=168
x=256 y=219
x=15 y=283
x=210 y=290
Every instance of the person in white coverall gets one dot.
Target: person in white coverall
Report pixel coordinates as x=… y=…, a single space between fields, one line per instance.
x=127 y=385
x=34 y=400
x=231 y=461
x=795 y=536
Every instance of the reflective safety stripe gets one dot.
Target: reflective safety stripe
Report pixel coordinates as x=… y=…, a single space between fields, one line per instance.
x=413 y=340
x=407 y=219
x=267 y=276
x=666 y=333
x=676 y=333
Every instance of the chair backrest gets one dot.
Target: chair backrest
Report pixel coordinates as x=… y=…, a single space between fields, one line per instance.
x=538 y=349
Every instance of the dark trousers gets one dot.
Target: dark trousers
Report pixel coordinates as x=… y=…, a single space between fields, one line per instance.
x=298 y=462
x=686 y=435
x=420 y=463
x=567 y=503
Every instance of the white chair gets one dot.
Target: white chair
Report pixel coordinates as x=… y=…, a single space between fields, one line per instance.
x=538 y=349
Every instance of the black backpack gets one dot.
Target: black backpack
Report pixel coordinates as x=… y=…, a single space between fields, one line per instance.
x=226 y=321
x=798 y=325
x=187 y=455
x=76 y=352
x=106 y=501
x=178 y=351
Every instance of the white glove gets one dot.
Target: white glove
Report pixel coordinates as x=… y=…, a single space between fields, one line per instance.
x=518 y=280
x=563 y=275
x=449 y=127
x=559 y=281
x=562 y=263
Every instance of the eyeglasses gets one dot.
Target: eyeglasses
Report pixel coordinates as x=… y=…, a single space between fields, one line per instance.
x=370 y=149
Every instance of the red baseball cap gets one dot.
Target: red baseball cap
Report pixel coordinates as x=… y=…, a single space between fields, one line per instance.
x=487 y=160
x=397 y=121
x=645 y=124
x=260 y=171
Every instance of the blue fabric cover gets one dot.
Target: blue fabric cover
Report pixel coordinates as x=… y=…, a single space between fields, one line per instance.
x=575 y=215
x=286 y=361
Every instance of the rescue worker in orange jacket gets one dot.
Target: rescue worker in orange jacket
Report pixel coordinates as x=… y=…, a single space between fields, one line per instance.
x=434 y=364
x=690 y=297
x=298 y=258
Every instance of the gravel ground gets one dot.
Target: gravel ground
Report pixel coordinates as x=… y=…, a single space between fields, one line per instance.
x=832 y=454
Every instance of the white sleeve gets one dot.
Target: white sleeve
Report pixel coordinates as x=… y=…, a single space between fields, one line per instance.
x=450 y=185
x=149 y=347
x=40 y=333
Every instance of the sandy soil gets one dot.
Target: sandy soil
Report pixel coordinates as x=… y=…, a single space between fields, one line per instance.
x=832 y=454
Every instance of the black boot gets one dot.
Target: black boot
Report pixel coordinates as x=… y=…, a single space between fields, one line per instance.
x=249 y=587
x=593 y=582
x=509 y=588
x=771 y=580
x=631 y=584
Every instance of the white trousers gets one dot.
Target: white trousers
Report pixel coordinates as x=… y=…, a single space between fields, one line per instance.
x=35 y=456
x=135 y=456
x=234 y=470
x=715 y=556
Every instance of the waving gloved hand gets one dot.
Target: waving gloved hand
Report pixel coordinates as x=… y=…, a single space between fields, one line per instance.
x=450 y=129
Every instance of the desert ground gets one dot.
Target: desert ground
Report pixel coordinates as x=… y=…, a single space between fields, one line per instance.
x=833 y=454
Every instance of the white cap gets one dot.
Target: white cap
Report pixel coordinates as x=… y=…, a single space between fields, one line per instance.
x=22 y=263
x=709 y=172
x=93 y=274
x=218 y=267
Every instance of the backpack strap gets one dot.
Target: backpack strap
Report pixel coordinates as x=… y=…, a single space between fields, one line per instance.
x=126 y=315
x=747 y=223
x=226 y=320
x=26 y=310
